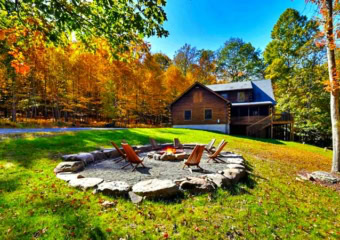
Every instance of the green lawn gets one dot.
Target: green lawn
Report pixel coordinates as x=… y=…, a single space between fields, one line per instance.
x=270 y=205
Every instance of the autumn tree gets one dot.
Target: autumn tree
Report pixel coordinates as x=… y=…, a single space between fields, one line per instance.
x=163 y=60
x=185 y=57
x=239 y=61
x=119 y=22
x=329 y=11
x=204 y=71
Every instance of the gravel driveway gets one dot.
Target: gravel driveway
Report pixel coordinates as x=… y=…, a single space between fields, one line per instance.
x=34 y=130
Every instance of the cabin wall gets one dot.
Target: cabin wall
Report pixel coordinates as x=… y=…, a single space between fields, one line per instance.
x=197 y=100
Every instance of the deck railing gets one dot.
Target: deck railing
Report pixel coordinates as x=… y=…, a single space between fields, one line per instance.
x=283 y=117
x=248 y=120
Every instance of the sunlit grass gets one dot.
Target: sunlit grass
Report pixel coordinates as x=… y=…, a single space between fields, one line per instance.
x=33 y=203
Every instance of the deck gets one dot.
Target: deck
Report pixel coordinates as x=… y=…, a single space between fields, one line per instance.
x=249 y=120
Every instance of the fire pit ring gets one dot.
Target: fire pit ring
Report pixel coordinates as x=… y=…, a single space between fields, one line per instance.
x=169 y=153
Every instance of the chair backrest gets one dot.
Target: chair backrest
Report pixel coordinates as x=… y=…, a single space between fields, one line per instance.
x=154 y=143
x=211 y=144
x=118 y=149
x=177 y=143
x=220 y=144
x=196 y=155
x=219 y=149
x=131 y=154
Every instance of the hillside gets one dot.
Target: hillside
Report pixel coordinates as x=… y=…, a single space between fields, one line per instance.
x=272 y=204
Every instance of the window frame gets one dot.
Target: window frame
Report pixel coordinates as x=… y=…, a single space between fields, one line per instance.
x=205 y=114
x=188 y=110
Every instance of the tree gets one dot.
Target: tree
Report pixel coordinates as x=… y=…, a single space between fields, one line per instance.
x=239 y=61
x=329 y=10
x=297 y=69
x=163 y=60
x=120 y=22
x=205 y=69
x=185 y=57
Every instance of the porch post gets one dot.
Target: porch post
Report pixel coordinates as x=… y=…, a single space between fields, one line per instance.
x=271 y=125
x=292 y=131
x=248 y=114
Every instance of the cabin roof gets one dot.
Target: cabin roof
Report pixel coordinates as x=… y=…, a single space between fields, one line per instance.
x=262 y=89
x=230 y=86
x=204 y=87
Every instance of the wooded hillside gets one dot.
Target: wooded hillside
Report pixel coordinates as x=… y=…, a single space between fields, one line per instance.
x=94 y=80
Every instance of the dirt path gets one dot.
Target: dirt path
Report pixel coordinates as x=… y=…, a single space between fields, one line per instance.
x=34 y=130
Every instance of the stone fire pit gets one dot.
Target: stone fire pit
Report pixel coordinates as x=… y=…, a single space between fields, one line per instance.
x=162 y=176
x=172 y=155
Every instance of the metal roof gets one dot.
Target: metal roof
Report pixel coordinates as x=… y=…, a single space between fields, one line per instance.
x=230 y=86
x=262 y=89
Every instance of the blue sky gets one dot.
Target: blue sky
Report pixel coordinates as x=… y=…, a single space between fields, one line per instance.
x=207 y=24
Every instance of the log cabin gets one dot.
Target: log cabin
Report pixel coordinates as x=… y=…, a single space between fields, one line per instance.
x=239 y=108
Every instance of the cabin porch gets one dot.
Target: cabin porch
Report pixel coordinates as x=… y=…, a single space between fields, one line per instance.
x=259 y=121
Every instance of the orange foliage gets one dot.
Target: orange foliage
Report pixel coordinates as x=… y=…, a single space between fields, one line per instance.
x=77 y=84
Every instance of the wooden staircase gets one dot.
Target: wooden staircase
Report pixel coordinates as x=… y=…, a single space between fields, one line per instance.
x=254 y=129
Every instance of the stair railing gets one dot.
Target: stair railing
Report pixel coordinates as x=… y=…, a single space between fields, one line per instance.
x=259 y=125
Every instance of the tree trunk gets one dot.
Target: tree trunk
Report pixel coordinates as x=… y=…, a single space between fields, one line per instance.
x=334 y=87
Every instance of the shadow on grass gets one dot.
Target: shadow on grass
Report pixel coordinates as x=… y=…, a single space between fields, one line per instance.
x=26 y=151
x=97 y=234
x=8 y=185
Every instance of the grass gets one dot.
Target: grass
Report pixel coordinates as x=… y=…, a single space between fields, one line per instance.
x=271 y=205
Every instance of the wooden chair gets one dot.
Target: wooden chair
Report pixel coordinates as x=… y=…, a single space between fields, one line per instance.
x=154 y=144
x=215 y=155
x=218 y=146
x=121 y=153
x=132 y=157
x=210 y=147
x=195 y=157
x=177 y=144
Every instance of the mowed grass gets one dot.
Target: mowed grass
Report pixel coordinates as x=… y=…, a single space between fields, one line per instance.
x=272 y=204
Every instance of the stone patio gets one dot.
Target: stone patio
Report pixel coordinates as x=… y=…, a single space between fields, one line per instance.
x=111 y=171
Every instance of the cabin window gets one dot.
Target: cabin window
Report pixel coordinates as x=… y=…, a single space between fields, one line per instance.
x=187 y=115
x=207 y=114
x=224 y=95
x=241 y=97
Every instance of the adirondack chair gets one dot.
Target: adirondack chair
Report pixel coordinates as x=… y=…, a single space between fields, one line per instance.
x=219 y=145
x=131 y=157
x=177 y=144
x=121 y=153
x=210 y=147
x=195 y=157
x=215 y=155
x=154 y=144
